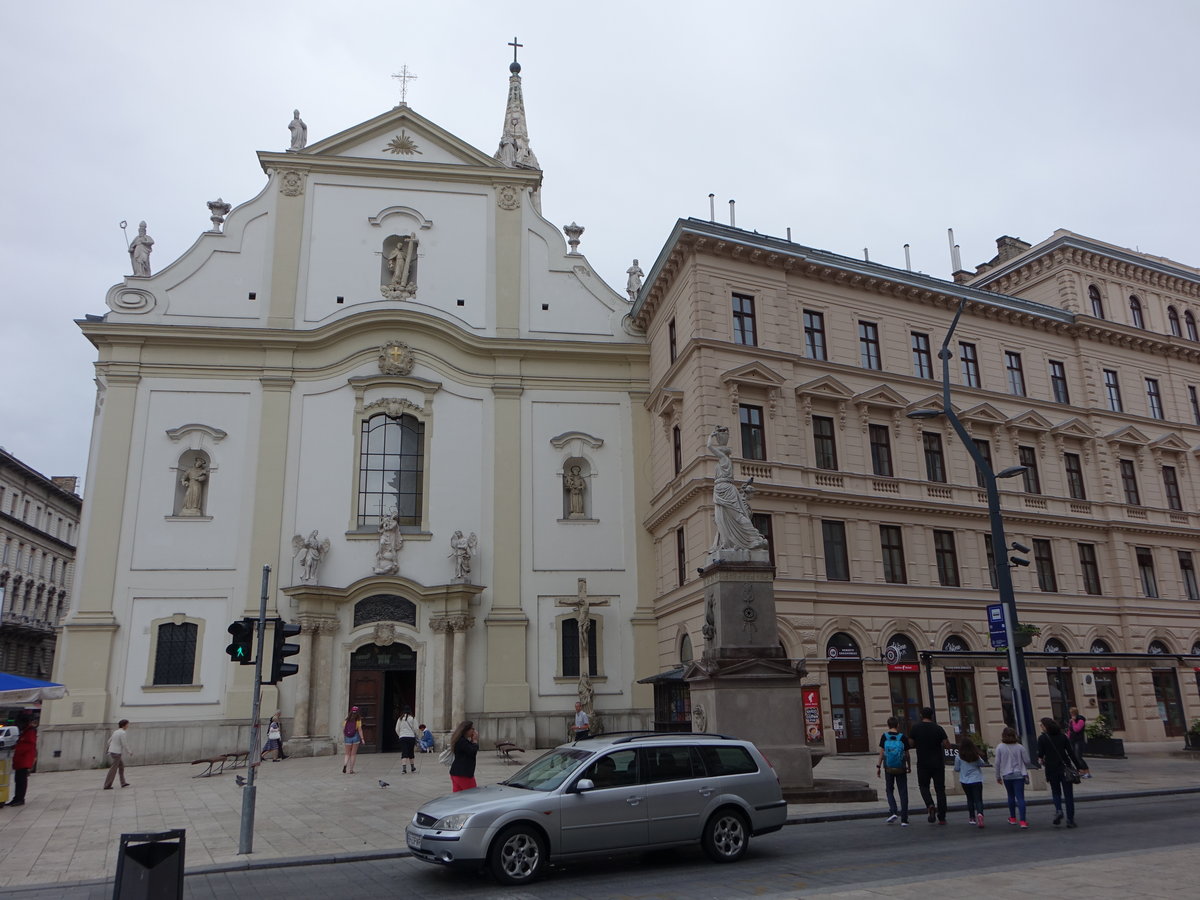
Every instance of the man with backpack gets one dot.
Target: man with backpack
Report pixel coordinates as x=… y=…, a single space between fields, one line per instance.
x=894 y=765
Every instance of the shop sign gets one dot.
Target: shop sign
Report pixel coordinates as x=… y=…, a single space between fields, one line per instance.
x=1001 y=668
x=960 y=669
x=1104 y=668
x=843 y=653
x=904 y=667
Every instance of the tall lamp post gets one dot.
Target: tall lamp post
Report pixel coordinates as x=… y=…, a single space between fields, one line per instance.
x=1016 y=659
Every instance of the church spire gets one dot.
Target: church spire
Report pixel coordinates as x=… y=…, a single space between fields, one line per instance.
x=514 y=141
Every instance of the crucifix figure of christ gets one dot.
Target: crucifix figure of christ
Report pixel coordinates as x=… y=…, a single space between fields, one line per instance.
x=582 y=603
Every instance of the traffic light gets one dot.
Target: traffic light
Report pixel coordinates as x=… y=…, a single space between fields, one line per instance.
x=242 y=649
x=280 y=669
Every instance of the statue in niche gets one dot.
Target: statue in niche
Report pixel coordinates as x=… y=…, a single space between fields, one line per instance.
x=461 y=551
x=575 y=484
x=401 y=262
x=139 y=252
x=634 y=282
x=735 y=531
x=309 y=551
x=299 y=132
x=387 y=557
x=193 y=481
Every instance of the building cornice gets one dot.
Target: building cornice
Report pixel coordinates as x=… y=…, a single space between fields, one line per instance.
x=361 y=166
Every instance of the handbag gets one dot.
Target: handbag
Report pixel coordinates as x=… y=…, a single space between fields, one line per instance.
x=1069 y=771
x=446 y=757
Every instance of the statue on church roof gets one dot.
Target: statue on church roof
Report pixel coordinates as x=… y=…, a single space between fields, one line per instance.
x=139 y=251
x=299 y=132
x=634 y=283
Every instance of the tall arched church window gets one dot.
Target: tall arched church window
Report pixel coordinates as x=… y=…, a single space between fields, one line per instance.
x=391 y=469
x=1173 y=321
x=175 y=653
x=1097 y=302
x=685 y=649
x=1189 y=323
x=1136 y=319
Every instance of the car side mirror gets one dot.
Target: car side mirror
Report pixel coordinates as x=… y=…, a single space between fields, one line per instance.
x=585 y=784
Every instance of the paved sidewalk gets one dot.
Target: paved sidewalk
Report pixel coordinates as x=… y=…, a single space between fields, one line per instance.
x=307 y=809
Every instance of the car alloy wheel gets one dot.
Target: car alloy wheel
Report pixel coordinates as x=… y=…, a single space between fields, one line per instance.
x=518 y=855
x=726 y=836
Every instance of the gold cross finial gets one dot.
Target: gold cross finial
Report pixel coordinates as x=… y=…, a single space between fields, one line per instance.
x=404 y=77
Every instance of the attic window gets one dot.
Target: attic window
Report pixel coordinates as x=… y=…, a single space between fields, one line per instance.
x=462 y=302
x=545 y=306
x=252 y=296
x=341 y=299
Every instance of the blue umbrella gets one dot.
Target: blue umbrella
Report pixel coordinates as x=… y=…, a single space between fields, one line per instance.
x=19 y=689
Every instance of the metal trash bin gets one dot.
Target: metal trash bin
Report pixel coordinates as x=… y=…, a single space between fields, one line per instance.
x=150 y=866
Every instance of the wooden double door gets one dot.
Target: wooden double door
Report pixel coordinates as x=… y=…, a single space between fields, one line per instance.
x=382 y=685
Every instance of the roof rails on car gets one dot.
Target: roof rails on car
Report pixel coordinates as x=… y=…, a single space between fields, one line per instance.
x=643 y=735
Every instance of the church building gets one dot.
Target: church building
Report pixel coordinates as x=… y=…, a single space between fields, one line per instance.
x=391 y=380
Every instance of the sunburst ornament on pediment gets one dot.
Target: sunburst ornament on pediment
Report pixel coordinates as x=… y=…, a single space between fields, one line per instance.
x=403 y=145
x=396 y=358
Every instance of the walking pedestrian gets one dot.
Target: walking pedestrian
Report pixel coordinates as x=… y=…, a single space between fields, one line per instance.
x=118 y=749
x=583 y=725
x=1054 y=752
x=24 y=757
x=352 y=738
x=274 y=739
x=406 y=730
x=930 y=741
x=969 y=766
x=1012 y=770
x=465 y=743
x=895 y=765
x=1078 y=737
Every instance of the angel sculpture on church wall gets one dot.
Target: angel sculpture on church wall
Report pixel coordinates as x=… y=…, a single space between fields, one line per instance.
x=461 y=551
x=309 y=551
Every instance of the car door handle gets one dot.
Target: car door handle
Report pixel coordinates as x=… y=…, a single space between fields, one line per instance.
x=705 y=791
x=633 y=801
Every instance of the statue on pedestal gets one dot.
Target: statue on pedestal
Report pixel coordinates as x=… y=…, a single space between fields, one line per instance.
x=735 y=530
x=310 y=552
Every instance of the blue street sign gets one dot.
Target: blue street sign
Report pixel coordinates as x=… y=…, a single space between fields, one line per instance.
x=995 y=616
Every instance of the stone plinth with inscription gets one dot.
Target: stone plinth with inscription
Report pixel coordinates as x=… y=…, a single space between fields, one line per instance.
x=743 y=685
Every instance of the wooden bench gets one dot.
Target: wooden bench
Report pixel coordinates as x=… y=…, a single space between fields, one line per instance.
x=506 y=749
x=217 y=764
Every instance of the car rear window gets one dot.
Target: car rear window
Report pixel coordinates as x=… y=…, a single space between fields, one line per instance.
x=727 y=759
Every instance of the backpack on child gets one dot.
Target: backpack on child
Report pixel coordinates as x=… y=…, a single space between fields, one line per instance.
x=893 y=753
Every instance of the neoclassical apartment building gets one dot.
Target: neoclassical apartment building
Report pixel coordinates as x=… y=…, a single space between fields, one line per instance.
x=1073 y=358
x=39 y=522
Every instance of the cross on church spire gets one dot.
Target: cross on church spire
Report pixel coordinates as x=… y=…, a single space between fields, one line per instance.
x=404 y=77
x=516 y=66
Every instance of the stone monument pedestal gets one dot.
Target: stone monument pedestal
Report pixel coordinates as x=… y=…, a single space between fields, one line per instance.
x=743 y=685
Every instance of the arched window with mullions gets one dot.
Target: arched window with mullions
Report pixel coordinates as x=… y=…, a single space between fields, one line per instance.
x=1096 y=300
x=391 y=472
x=175 y=653
x=1136 y=319
x=1173 y=321
x=1189 y=323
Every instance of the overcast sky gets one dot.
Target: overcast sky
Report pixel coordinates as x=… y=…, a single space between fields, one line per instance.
x=857 y=124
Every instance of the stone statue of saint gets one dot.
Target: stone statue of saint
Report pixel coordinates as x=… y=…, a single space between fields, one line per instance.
x=193 y=483
x=387 y=557
x=139 y=251
x=461 y=551
x=575 y=485
x=309 y=551
x=634 y=283
x=735 y=531
x=299 y=131
x=400 y=262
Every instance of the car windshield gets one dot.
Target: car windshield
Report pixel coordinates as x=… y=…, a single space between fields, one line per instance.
x=547 y=772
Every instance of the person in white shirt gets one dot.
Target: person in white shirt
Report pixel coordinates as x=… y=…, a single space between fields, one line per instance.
x=117 y=751
x=406 y=731
x=583 y=725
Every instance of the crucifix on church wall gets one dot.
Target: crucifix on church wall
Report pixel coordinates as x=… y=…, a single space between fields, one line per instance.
x=582 y=603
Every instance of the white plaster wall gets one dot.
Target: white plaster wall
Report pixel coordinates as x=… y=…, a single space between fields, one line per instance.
x=578 y=546
x=341 y=250
x=232 y=266
x=573 y=309
x=214 y=664
x=159 y=543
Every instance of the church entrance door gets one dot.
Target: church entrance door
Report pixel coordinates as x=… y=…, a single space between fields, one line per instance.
x=383 y=681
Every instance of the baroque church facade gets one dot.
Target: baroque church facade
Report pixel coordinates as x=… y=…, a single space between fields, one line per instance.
x=389 y=378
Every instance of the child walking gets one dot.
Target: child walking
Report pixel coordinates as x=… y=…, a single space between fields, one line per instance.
x=969 y=766
x=1012 y=770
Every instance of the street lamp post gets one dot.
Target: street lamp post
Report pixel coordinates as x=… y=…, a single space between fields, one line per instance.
x=1016 y=659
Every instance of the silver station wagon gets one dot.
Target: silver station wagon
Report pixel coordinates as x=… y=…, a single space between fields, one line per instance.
x=607 y=795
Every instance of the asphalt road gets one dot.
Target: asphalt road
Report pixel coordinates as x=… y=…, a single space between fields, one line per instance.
x=800 y=860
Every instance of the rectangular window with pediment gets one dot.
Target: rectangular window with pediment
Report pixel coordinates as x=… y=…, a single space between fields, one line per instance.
x=1129 y=482
x=1028 y=458
x=824 y=447
x=985 y=450
x=935 y=459
x=1074 y=470
x=881 y=451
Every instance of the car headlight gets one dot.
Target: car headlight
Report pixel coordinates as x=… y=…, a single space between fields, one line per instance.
x=451 y=823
